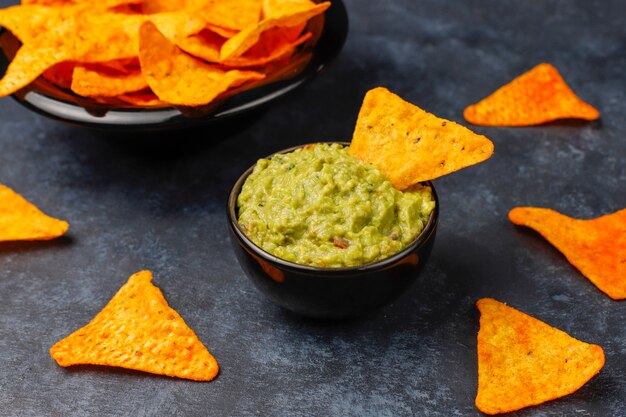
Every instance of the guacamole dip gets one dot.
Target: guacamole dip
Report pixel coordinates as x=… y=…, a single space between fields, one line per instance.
x=320 y=206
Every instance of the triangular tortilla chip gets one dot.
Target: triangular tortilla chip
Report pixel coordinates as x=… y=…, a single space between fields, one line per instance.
x=273 y=44
x=597 y=247
x=284 y=14
x=410 y=145
x=138 y=330
x=227 y=17
x=96 y=80
x=21 y=220
x=180 y=79
x=535 y=97
x=523 y=361
x=125 y=66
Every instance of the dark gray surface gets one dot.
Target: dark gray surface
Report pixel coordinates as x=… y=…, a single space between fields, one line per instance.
x=137 y=207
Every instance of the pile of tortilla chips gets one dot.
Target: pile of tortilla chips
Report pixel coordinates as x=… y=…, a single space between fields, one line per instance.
x=154 y=52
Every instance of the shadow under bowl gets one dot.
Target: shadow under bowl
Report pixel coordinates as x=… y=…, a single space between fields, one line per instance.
x=330 y=293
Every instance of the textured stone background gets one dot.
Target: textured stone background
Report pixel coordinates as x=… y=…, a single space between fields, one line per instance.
x=133 y=205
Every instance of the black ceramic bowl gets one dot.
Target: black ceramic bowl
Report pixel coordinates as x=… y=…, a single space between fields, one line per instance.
x=329 y=292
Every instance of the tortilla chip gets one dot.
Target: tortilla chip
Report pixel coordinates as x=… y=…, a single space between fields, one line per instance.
x=283 y=14
x=273 y=44
x=175 y=25
x=94 y=80
x=180 y=79
x=21 y=220
x=523 y=361
x=138 y=330
x=232 y=14
x=535 y=97
x=597 y=248
x=279 y=8
x=211 y=11
x=410 y=145
x=228 y=15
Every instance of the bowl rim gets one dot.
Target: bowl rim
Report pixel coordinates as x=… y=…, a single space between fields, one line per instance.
x=420 y=240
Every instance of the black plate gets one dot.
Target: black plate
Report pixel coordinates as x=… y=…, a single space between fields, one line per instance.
x=51 y=101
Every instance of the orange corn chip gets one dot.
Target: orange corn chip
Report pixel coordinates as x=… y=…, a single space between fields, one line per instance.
x=537 y=96
x=175 y=25
x=279 y=8
x=597 y=248
x=273 y=44
x=232 y=14
x=20 y=220
x=94 y=80
x=284 y=14
x=205 y=45
x=523 y=361
x=223 y=17
x=138 y=330
x=410 y=145
x=229 y=15
x=180 y=79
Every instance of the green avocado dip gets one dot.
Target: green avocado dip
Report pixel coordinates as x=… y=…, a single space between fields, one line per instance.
x=320 y=206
